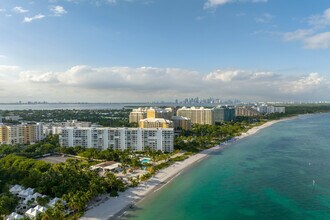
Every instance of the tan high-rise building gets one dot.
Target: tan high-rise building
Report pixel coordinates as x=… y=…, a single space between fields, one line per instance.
x=181 y=123
x=155 y=123
x=20 y=134
x=137 y=114
x=246 y=111
x=200 y=115
x=166 y=113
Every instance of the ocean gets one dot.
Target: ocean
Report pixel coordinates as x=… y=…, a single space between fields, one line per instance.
x=282 y=172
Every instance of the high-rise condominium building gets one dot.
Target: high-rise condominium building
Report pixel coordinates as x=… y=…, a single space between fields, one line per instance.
x=246 y=111
x=197 y=115
x=181 y=123
x=207 y=116
x=21 y=134
x=137 y=114
x=265 y=109
x=166 y=113
x=223 y=113
x=118 y=138
x=155 y=123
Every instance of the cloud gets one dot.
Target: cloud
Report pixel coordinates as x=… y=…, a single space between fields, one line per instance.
x=2 y=56
x=237 y=75
x=265 y=18
x=313 y=37
x=57 y=10
x=306 y=83
x=299 y=34
x=8 y=69
x=320 y=20
x=86 y=83
x=2 y=10
x=30 y=19
x=211 y=4
x=19 y=10
x=317 y=41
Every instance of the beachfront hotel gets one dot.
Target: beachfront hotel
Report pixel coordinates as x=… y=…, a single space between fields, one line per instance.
x=155 y=123
x=21 y=134
x=165 y=113
x=118 y=138
x=141 y=113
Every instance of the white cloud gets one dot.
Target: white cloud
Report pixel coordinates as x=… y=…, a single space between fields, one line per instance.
x=313 y=37
x=86 y=83
x=211 y=4
x=320 y=20
x=317 y=41
x=306 y=83
x=2 y=10
x=8 y=69
x=237 y=75
x=36 y=17
x=299 y=34
x=57 y=10
x=2 y=56
x=264 y=18
x=19 y=10
x=152 y=83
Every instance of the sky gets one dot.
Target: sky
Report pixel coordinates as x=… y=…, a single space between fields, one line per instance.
x=152 y=50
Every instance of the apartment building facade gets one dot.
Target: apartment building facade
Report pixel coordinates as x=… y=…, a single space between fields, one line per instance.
x=246 y=111
x=181 y=123
x=21 y=134
x=136 y=139
x=137 y=114
x=199 y=115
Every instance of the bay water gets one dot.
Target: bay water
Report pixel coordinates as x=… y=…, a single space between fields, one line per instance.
x=282 y=172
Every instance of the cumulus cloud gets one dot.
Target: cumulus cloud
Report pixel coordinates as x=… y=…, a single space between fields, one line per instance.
x=152 y=83
x=237 y=75
x=211 y=4
x=30 y=19
x=305 y=83
x=8 y=69
x=19 y=10
x=57 y=10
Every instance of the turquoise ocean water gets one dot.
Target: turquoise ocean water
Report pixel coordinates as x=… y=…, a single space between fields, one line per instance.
x=268 y=175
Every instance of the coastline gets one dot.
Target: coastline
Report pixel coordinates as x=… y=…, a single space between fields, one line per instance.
x=115 y=207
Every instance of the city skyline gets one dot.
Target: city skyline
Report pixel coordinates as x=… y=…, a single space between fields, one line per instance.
x=130 y=50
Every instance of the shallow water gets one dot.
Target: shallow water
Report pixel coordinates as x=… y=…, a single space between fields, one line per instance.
x=268 y=175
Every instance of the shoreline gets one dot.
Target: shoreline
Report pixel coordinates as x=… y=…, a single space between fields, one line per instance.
x=115 y=207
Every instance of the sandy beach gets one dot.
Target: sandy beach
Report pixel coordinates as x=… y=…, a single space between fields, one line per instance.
x=114 y=207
